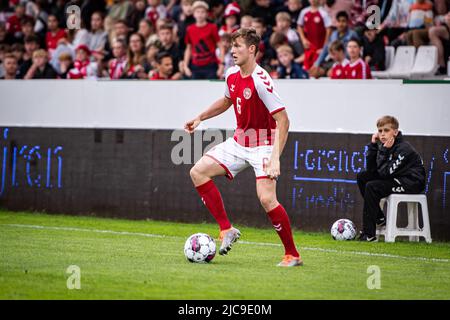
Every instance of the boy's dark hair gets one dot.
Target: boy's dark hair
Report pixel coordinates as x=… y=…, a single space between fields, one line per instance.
x=27 y=20
x=388 y=120
x=343 y=14
x=249 y=36
x=336 y=46
x=166 y=26
x=9 y=55
x=277 y=39
x=161 y=55
x=31 y=38
x=356 y=41
x=260 y=21
x=122 y=21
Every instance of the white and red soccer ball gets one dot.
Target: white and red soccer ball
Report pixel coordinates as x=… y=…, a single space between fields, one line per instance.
x=343 y=229
x=199 y=248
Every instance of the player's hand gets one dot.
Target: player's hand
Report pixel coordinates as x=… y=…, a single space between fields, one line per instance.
x=190 y=126
x=375 y=137
x=388 y=144
x=273 y=168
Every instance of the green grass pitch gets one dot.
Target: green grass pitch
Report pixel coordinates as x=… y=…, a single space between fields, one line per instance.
x=121 y=259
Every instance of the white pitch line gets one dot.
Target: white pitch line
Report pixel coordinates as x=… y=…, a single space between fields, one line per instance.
x=150 y=235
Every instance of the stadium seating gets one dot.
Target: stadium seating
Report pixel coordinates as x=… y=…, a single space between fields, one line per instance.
x=426 y=62
x=390 y=54
x=403 y=62
x=391 y=231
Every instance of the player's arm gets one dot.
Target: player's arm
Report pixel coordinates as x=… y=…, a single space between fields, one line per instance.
x=218 y=107
x=281 y=135
x=186 y=60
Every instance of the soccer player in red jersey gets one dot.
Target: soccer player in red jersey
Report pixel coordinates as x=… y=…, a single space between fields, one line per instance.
x=337 y=53
x=258 y=141
x=357 y=68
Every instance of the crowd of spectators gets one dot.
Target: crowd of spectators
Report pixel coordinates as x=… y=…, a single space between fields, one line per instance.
x=191 y=39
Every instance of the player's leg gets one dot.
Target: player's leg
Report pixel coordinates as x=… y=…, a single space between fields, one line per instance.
x=266 y=191
x=201 y=174
x=223 y=159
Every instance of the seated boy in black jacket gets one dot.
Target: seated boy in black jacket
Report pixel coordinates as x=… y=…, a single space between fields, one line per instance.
x=393 y=166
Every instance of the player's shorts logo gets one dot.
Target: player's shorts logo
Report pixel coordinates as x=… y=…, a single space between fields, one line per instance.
x=247 y=93
x=338 y=72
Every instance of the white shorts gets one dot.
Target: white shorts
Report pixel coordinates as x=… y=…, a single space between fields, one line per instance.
x=234 y=158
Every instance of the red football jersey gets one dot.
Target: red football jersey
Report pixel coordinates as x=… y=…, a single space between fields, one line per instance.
x=338 y=69
x=203 y=41
x=358 y=70
x=255 y=102
x=314 y=25
x=52 y=40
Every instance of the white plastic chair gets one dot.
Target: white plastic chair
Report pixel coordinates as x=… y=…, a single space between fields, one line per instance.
x=391 y=231
x=426 y=62
x=389 y=54
x=403 y=62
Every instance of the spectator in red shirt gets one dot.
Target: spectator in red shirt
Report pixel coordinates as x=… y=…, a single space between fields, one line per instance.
x=54 y=34
x=201 y=40
x=314 y=28
x=118 y=64
x=357 y=68
x=337 y=53
x=13 y=24
x=164 y=66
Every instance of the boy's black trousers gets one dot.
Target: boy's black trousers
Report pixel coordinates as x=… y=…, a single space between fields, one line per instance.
x=373 y=189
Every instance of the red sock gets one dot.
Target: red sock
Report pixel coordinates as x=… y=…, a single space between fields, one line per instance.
x=280 y=221
x=213 y=200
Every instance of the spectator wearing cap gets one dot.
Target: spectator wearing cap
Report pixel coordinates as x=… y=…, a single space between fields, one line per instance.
x=231 y=17
x=164 y=67
x=41 y=69
x=83 y=67
x=202 y=39
x=118 y=64
x=168 y=44
x=10 y=67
